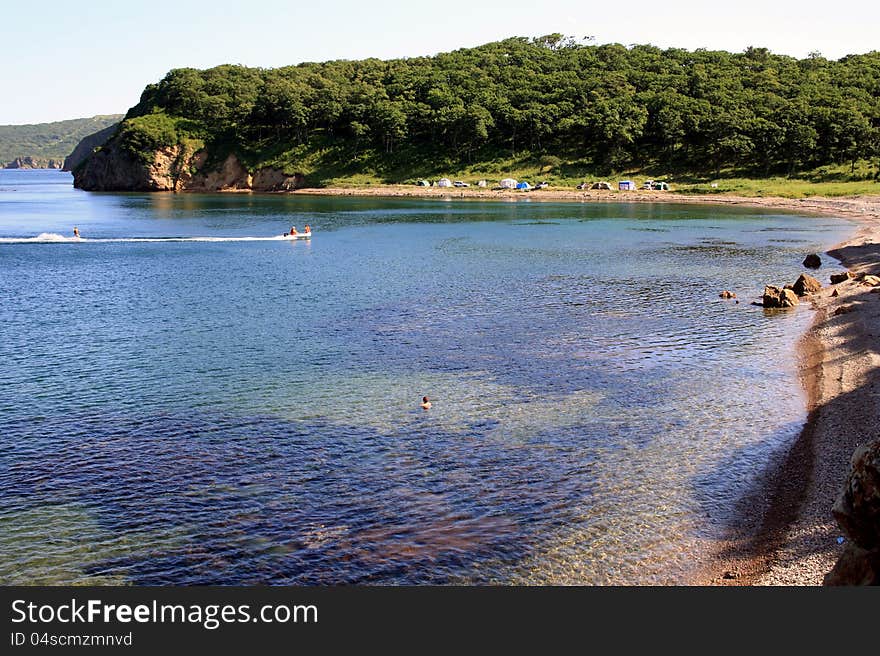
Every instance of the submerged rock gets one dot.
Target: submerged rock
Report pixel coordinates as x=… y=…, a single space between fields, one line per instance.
x=806 y=285
x=778 y=298
x=812 y=261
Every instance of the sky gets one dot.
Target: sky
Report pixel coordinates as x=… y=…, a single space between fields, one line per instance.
x=67 y=59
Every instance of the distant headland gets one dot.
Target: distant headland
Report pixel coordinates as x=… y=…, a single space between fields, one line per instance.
x=48 y=145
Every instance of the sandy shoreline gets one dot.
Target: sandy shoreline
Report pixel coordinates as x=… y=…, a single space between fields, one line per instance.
x=786 y=534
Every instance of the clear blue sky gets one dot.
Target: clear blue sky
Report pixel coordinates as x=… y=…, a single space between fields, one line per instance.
x=66 y=59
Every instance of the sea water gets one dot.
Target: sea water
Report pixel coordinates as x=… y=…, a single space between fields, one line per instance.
x=186 y=399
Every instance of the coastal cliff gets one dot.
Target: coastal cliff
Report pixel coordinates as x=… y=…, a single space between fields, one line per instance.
x=176 y=168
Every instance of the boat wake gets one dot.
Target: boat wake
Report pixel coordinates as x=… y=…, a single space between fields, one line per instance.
x=54 y=238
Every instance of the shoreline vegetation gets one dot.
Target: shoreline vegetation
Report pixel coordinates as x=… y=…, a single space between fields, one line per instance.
x=751 y=129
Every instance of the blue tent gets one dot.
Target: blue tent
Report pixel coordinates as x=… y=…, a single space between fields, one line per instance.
x=523 y=185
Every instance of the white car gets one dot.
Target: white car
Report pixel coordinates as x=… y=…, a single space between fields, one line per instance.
x=459 y=183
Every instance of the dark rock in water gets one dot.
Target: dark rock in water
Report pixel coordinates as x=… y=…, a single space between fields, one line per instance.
x=840 y=277
x=806 y=285
x=857 y=511
x=778 y=298
x=812 y=261
x=727 y=294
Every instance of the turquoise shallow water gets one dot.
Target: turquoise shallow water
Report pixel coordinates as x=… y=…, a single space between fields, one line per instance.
x=229 y=410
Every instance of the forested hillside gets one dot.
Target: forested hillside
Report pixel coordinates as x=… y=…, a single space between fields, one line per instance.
x=44 y=141
x=551 y=99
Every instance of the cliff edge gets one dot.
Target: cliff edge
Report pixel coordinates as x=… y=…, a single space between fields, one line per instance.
x=175 y=168
x=87 y=145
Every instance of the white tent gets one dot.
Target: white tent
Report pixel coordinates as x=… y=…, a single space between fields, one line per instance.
x=507 y=183
x=444 y=182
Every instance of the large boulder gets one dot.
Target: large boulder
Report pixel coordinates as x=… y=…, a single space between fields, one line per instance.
x=812 y=261
x=774 y=297
x=840 y=277
x=806 y=285
x=857 y=511
x=871 y=281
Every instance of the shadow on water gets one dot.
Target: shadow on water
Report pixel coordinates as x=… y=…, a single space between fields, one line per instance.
x=261 y=500
x=761 y=521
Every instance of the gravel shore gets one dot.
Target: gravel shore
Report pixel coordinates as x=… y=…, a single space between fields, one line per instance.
x=786 y=534
x=789 y=536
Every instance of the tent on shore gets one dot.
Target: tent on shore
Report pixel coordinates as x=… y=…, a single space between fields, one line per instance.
x=507 y=183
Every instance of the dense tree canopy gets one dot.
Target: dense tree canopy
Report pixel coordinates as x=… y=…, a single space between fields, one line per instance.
x=612 y=105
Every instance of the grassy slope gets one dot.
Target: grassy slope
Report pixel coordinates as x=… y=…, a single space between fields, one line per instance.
x=49 y=140
x=337 y=167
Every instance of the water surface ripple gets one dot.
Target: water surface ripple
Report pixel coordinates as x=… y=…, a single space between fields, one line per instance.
x=185 y=402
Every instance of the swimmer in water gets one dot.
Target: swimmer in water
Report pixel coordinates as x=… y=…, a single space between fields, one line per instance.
x=426 y=404
x=76 y=232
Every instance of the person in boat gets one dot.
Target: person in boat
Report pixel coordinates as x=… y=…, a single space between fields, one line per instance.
x=76 y=232
x=426 y=404
x=308 y=230
x=293 y=232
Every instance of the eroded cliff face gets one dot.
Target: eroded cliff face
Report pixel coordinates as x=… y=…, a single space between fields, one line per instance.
x=175 y=168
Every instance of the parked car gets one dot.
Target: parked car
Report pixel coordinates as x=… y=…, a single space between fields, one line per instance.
x=459 y=183
x=584 y=185
x=542 y=185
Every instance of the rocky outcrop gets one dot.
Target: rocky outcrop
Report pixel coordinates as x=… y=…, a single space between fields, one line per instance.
x=812 y=261
x=87 y=145
x=33 y=163
x=774 y=297
x=112 y=169
x=806 y=285
x=174 y=168
x=276 y=180
x=837 y=278
x=857 y=511
x=870 y=281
